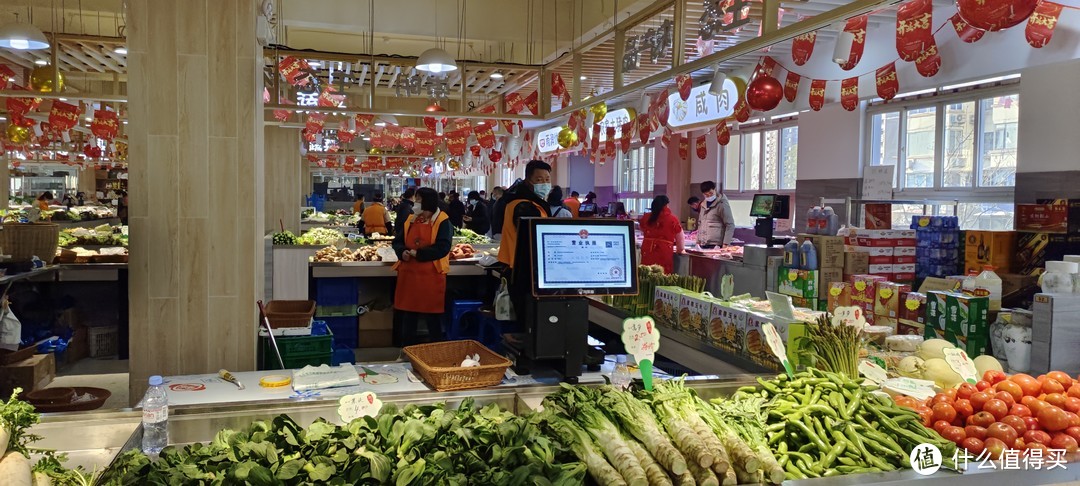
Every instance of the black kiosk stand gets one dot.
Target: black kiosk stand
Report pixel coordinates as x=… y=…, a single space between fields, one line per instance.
x=766 y=208
x=559 y=262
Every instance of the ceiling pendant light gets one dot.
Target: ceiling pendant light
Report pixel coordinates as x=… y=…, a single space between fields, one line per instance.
x=842 y=51
x=436 y=61
x=716 y=88
x=434 y=107
x=496 y=75
x=23 y=37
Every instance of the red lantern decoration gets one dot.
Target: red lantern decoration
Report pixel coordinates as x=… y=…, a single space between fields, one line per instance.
x=428 y=169
x=993 y=15
x=764 y=93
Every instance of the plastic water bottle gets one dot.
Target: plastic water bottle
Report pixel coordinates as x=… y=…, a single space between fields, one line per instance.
x=808 y=256
x=620 y=376
x=155 y=417
x=791 y=254
x=988 y=284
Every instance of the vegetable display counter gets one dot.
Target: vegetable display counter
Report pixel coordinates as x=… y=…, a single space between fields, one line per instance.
x=750 y=274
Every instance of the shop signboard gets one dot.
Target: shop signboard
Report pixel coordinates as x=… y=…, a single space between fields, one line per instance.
x=548 y=140
x=702 y=107
x=616 y=118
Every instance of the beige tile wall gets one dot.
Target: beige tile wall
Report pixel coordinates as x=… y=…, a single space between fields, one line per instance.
x=283 y=183
x=196 y=186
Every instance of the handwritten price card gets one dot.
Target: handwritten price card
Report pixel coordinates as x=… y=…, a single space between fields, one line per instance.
x=776 y=345
x=852 y=316
x=352 y=407
x=641 y=338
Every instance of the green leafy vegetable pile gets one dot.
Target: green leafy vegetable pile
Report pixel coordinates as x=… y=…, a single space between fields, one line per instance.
x=413 y=445
x=465 y=235
x=320 y=236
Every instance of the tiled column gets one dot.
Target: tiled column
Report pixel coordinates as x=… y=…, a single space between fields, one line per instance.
x=283 y=178
x=196 y=186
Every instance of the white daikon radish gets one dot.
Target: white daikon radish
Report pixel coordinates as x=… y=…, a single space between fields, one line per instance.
x=15 y=470
x=911 y=367
x=42 y=479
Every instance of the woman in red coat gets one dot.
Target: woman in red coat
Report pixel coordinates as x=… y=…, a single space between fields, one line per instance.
x=663 y=234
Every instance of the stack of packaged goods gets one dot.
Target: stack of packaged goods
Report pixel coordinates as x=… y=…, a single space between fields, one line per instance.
x=863 y=290
x=830 y=258
x=799 y=276
x=887 y=304
x=1048 y=231
x=890 y=253
x=937 y=245
x=960 y=319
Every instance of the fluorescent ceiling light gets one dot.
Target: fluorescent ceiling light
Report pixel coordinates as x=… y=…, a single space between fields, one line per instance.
x=436 y=61
x=981 y=81
x=496 y=75
x=315 y=64
x=120 y=50
x=23 y=37
x=41 y=62
x=583 y=77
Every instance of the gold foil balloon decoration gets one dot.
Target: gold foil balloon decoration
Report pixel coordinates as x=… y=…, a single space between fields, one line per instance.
x=41 y=80
x=18 y=134
x=599 y=111
x=374 y=151
x=454 y=164
x=567 y=138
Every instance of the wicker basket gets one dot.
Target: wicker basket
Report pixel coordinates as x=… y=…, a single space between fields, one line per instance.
x=438 y=363
x=23 y=241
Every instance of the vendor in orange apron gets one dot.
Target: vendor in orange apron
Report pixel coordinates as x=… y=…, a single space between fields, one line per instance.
x=423 y=250
x=662 y=233
x=376 y=218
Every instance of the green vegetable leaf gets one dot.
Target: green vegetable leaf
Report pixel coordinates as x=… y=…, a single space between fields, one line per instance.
x=290 y=469
x=322 y=472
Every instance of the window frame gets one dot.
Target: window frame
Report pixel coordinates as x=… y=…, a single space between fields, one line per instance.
x=977 y=193
x=633 y=198
x=758 y=130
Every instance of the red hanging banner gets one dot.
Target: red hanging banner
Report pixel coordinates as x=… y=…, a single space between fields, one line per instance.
x=19 y=107
x=684 y=83
x=425 y=144
x=364 y=122
x=485 y=136
x=791 y=86
x=595 y=142
x=742 y=110
x=393 y=132
x=701 y=147
x=282 y=115
x=508 y=125
x=609 y=141
x=665 y=139
x=1040 y=26
x=849 y=93
x=105 y=125
x=817 y=94
x=767 y=66
x=802 y=47
x=914 y=21
x=684 y=147
x=723 y=133
x=532 y=103
x=964 y=30
x=294 y=70
x=456 y=142
x=929 y=62
x=487 y=110
x=626 y=135
x=328 y=99
x=857 y=27
x=461 y=124
x=514 y=102
x=643 y=128
x=313 y=125
x=344 y=135
x=662 y=109
x=408 y=140
x=558 y=88
x=887 y=84
x=6 y=75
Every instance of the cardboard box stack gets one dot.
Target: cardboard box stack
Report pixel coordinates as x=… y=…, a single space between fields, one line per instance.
x=888 y=253
x=800 y=285
x=864 y=293
x=887 y=303
x=994 y=248
x=937 y=245
x=912 y=320
x=1047 y=231
x=727 y=328
x=960 y=319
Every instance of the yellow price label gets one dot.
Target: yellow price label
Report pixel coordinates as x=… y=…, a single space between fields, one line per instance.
x=835 y=291
x=885 y=293
x=911 y=304
x=924 y=221
x=860 y=286
x=792 y=275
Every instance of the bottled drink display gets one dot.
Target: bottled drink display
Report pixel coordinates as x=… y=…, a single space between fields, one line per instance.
x=155 y=417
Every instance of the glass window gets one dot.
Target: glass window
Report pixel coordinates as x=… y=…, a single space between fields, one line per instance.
x=959 y=156
x=789 y=157
x=752 y=161
x=919 y=153
x=770 y=166
x=732 y=163
x=637 y=171
x=997 y=155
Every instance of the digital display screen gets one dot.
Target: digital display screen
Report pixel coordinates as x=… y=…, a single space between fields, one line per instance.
x=762 y=206
x=584 y=257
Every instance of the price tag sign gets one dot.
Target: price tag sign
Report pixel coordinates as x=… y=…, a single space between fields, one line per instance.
x=961 y=363
x=852 y=316
x=641 y=338
x=352 y=407
x=873 y=371
x=917 y=389
x=781 y=305
x=727 y=287
x=776 y=345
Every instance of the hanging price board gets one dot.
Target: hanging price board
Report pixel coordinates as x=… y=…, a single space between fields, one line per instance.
x=641 y=338
x=352 y=407
x=776 y=345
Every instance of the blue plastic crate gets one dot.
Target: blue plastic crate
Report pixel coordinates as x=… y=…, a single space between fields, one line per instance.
x=337 y=292
x=345 y=331
x=454 y=329
x=342 y=355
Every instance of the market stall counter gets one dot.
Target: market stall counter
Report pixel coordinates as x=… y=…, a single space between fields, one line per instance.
x=751 y=267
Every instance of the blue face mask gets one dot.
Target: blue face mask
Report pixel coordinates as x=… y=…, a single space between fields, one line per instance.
x=542 y=190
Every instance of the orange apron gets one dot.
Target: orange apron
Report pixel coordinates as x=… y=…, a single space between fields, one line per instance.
x=421 y=287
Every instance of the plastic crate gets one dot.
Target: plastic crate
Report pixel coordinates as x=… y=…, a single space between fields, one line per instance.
x=103 y=341
x=297 y=351
x=454 y=329
x=344 y=330
x=336 y=311
x=337 y=291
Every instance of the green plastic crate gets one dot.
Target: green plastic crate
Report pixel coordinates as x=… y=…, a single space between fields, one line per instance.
x=297 y=351
x=335 y=311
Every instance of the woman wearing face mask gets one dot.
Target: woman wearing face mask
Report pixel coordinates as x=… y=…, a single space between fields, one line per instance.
x=476 y=215
x=717 y=225
x=423 y=250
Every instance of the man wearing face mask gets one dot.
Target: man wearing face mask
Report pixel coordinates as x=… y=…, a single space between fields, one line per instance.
x=717 y=225
x=403 y=209
x=476 y=216
x=527 y=199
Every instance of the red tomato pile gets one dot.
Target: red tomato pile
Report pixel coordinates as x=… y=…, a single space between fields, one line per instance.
x=1006 y=412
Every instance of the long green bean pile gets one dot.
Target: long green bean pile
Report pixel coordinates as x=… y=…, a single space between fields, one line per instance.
x=822 y=424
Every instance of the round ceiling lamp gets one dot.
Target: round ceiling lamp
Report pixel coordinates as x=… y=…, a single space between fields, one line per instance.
x=23 y=37
x=434 y=107
x=436 y=61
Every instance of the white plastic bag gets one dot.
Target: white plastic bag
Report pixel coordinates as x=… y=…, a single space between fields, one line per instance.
x=10 y=328
x=323 y=376
x=504 y=309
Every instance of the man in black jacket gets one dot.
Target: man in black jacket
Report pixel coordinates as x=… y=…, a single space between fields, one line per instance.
x=476 y=216
x=526 y=199
x=403 y=210
x=456 y=210
x=495 y=212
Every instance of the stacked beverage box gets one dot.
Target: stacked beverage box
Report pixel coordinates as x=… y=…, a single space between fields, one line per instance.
x=937 y=245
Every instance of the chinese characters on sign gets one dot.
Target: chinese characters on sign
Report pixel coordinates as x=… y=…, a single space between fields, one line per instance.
x=307 y=98
x=548 y=140
x=641 y=338
x=725 y=16
x=702 y=106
